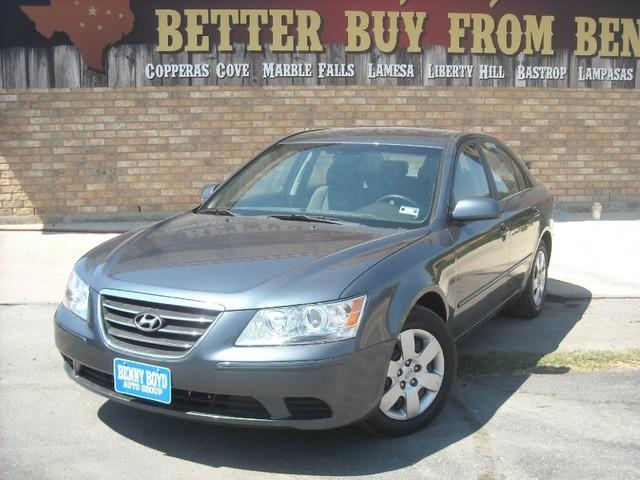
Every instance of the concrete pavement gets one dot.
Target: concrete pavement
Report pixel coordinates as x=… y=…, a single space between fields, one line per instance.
x=600 y=257
x=593 y=263
x=35 y=265
x=565 y=326
x=567 y=425
x=590 y=259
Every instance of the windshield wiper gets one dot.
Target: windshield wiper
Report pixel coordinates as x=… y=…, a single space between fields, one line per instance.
x=298 y=217
x=223 y=212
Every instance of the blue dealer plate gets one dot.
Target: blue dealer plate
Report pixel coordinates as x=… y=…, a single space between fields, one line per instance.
x=142 y=380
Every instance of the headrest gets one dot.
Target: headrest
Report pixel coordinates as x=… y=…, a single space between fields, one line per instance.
x=390 y=169
x=370 y=167
x=372 y=159
x=428 y=171
x=344 y=172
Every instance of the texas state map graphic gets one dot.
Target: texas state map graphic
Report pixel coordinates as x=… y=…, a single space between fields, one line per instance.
x=92 y=25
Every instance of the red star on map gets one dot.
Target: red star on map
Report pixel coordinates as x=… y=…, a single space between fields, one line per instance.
x=92 y=25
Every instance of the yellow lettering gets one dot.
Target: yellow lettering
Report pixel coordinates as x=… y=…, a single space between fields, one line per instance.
x=309 y=24
x=482 y=35
x=196 y=41
x=169 y=37
x=458 y=24
x=358 y=39
x=388 y=44
x=608 y=45
x=282 y=39
x=225 y=19
x=509 y=34
x=414 y=28
x=587 y=44
x=539 y=35
x=254 y=19
x=630 y=37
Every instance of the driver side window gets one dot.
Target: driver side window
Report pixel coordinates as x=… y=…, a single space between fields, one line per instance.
x=470 y=179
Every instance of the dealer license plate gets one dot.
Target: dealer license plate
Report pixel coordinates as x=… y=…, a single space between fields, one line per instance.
x=142 y=380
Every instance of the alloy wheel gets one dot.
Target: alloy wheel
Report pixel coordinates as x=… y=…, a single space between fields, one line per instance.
x=539 y=277
x=414 y=376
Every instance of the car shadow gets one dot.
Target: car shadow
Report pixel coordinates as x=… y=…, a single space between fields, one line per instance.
x=351 y=451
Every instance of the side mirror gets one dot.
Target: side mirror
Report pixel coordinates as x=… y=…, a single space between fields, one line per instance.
x=529 y=165
x=207 y=191
x=469 y=209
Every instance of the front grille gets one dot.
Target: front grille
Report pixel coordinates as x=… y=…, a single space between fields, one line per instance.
x=307 y=408
x=235 y=406
x=182 y=327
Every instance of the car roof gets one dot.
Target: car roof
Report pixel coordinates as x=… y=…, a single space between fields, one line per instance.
x=382 y=135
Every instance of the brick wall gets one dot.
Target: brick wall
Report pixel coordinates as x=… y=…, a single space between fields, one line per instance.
x=107 y=151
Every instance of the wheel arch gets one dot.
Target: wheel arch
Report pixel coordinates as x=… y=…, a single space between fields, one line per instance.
x=397 y=310
x=418 y=274
x=433 y=300
x=548 y=241
x=430 y=297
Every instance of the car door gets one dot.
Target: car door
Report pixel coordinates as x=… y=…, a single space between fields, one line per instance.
x=521 y=215
x=481 y=246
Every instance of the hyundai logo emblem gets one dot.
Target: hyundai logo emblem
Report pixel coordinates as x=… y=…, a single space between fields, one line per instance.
x=148 y=322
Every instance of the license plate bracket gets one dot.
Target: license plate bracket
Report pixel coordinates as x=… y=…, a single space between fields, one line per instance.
x=142 y=380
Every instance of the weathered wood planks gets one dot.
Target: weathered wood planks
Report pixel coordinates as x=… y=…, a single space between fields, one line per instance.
x=63 y=67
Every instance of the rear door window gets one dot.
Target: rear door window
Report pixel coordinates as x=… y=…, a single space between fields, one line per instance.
x=506 y=174
x=522 y=181
x=470 y=179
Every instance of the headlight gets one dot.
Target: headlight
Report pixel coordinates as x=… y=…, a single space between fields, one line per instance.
x=76 y=297
x=305 y=324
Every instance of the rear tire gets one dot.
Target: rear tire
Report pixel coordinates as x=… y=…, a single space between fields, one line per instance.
x=530 y=302
x=420 y=376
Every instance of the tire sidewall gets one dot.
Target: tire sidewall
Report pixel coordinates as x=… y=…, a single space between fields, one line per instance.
x=423 y=319
x=529 y=290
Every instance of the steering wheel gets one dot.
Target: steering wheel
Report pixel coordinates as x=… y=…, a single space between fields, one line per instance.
x=393 y=196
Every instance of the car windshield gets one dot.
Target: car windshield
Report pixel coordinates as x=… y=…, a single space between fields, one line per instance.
x=381 y=185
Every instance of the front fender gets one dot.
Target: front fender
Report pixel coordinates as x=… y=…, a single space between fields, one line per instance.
x=395 y=285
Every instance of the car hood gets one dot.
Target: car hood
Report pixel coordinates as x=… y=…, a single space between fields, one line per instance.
x=240 y=262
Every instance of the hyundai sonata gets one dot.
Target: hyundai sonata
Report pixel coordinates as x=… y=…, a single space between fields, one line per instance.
x=324 y=284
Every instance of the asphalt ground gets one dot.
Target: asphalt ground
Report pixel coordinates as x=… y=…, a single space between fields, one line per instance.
x=565 y=423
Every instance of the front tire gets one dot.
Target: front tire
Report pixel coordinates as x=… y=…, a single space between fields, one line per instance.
x=529 y=303
x=419 y=378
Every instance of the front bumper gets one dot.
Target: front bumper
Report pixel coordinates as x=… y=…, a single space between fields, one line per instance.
x=310 y=387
